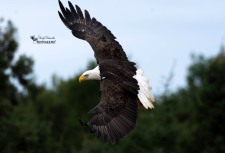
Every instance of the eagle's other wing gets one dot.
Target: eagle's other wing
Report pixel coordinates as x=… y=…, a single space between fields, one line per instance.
x=98 y=36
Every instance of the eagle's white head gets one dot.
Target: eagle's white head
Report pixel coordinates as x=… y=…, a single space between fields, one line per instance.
x=90 y=75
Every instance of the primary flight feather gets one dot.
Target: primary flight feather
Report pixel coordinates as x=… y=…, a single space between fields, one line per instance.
x=122 y=86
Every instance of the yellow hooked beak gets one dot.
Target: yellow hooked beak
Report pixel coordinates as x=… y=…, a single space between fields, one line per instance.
x=82 y=78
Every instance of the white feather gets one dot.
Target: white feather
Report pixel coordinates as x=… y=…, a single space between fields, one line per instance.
x=141 y=98
x=145 y=88
x=143 y=78
x=144 y=95
x=140 y=72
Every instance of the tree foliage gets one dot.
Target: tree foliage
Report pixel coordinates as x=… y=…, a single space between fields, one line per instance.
x=11 y=70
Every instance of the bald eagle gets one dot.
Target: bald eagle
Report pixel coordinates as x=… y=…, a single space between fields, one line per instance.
x=122 y=86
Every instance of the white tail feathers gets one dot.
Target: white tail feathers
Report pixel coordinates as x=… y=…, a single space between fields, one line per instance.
x=144 y=95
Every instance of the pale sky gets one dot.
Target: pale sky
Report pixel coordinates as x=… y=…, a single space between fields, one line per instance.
x=156 y=34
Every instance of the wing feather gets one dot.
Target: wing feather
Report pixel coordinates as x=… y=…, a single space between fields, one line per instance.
x=97 y=35
x=63 y=20
x=79 y=12
x=73 y=11
x=87 y=17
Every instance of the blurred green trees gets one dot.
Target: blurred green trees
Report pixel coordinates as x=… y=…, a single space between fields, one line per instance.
x=36 y=119
x=12 y=72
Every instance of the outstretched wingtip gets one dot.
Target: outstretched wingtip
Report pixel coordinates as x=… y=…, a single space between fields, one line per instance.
x=59 y=13
x=62 y=8
x=60 y=3
x=79 y=12
x=87 y=16
x=70 y=3
x=63 y=19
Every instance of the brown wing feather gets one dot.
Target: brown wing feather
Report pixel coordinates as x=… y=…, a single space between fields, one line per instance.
x=98 y=36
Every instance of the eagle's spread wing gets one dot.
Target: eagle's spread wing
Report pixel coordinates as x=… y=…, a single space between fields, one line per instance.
x=115 y=115
x=98 y=36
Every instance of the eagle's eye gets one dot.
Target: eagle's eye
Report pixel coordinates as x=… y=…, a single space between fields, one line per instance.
x=86 y=75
